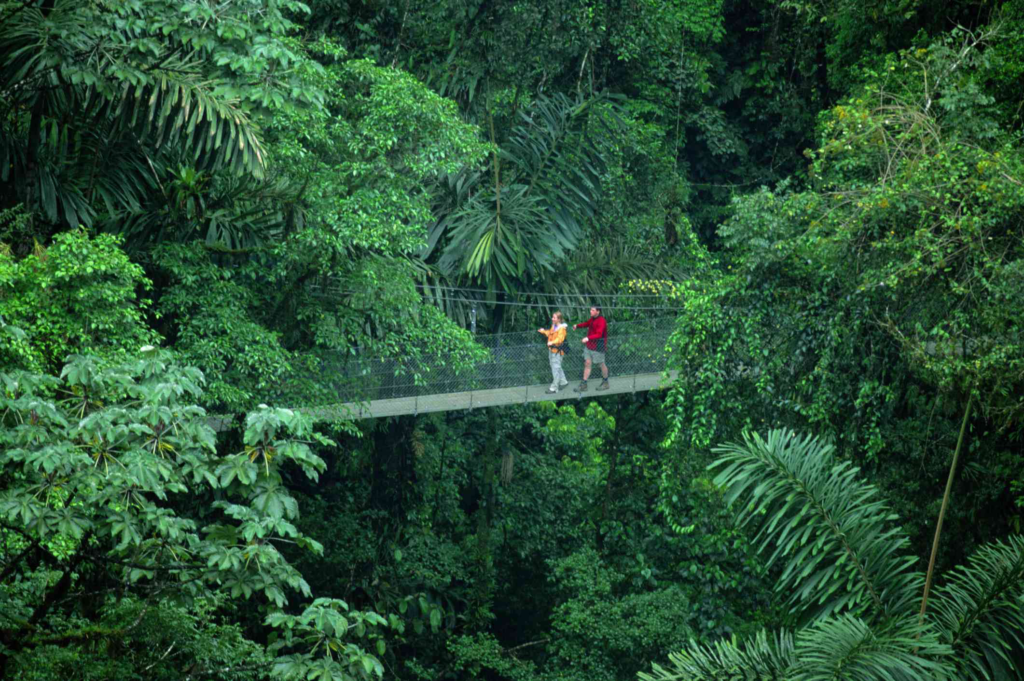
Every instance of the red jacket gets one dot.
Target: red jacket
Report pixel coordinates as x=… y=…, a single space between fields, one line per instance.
x=598 y=332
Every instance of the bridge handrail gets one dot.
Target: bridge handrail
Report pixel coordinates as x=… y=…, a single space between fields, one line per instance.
x=515 y=359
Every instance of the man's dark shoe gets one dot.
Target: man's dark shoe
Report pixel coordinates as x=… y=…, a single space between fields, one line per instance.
x=604 y=385
x=581 y=388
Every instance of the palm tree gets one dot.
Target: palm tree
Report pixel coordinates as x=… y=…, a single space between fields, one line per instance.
x=849 y=584
x=525 y=215
x=99 y=99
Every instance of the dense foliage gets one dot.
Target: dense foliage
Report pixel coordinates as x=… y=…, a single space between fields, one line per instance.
x=211 y=211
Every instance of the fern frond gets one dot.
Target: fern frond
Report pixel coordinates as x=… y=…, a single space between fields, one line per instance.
x=980 y=609
x=832 y=534
x=759 y=659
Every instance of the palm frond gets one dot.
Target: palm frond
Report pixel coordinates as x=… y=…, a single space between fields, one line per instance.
x=60 y=62
x=847 y=647
x=437 y=291
x=178 y=107
x=758 y=659
x=60 y=195
x=597 y=270
x=980 y=608
x=453 y=190
x=91 y=107
x=551 y=169
x=518 y=243
x=843 y=647
x=554 y=150
x=840 y=565
x=832 y=534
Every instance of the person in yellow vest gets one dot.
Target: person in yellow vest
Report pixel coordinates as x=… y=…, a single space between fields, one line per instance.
x=556 y=350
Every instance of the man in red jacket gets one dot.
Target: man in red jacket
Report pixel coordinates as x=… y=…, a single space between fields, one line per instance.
x=596 y=345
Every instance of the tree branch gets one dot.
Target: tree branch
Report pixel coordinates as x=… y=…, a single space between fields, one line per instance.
x=61 y=587
x=509 y=651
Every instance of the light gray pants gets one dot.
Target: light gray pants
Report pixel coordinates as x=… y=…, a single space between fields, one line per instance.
x=557 y=375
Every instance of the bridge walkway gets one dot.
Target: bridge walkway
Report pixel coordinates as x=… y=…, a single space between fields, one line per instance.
x=495 y=397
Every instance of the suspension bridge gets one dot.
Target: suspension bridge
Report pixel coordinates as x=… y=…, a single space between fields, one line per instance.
x=515 y=370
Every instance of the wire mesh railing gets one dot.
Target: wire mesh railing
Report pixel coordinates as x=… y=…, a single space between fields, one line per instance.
x=510 y=360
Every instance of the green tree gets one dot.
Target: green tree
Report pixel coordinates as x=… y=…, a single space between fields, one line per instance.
x=100 y=98
x=114 y=489
x=528 y=212
x=79 y=295
x=330 y=270
x=874 y=304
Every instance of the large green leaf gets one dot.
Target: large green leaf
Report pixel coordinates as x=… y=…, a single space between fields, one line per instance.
x=833 y=536
x=757 y=659
x=980 y=610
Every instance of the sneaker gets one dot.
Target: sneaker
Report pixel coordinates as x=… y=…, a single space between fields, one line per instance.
x=604 y=385
x=552 y=391
x=562 y=386
x=581 y=388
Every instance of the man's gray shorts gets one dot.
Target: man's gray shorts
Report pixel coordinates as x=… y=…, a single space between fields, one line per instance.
x=594 y=356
